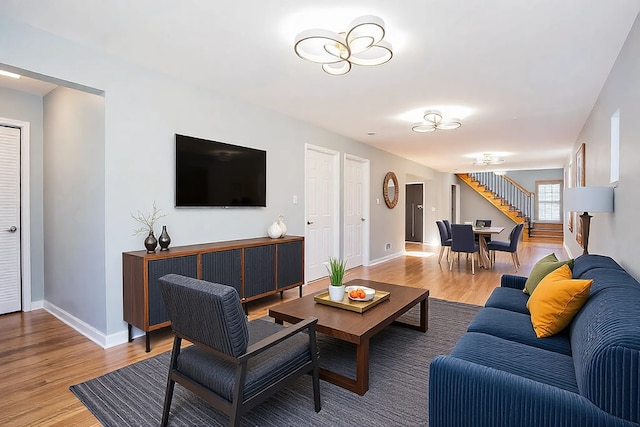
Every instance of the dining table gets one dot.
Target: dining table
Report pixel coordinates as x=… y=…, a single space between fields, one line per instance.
x=482 y=232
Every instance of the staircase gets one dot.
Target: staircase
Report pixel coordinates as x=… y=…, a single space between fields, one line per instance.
x=497 y=198
x=546 y=232
x=514 y=201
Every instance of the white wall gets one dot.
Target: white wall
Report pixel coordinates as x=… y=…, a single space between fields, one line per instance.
x=74 y=232
x=142 y=111
x=473 y=206
x=528 y=178
x=615 y=234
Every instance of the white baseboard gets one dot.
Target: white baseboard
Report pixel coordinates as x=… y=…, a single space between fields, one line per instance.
x=36 y=305
x=98 y=337
x=567 y=250
x=386 y=258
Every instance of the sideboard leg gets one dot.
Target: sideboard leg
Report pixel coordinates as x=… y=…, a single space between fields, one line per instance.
x=147 y=338
x=300 y=291
x=129 y=331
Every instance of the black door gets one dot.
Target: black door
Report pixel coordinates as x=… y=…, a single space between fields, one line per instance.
x=413 y=212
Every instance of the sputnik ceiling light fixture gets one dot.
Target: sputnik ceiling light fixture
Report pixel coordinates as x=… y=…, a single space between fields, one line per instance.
x=362 y=44
x=434 y=120
x=488 y=159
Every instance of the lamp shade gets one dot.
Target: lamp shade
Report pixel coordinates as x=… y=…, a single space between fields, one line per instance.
x=588 y=199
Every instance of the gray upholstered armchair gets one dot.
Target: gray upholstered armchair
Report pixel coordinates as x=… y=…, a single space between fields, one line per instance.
x=234 y=364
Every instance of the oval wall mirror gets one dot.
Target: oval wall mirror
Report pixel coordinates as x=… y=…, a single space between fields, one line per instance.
x=390 y=190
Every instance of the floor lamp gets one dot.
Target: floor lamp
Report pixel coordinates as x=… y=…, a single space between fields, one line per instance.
x=587 y=199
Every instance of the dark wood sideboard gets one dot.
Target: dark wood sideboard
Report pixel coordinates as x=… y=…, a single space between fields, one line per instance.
x=255 y=267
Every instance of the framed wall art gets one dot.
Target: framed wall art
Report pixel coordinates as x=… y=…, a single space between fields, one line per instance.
x=569 y=184
x=580 y=182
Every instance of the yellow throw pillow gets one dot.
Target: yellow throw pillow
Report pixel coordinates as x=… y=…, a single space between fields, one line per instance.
x=556 y=301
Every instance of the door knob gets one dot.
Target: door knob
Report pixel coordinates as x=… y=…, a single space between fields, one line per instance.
x=12 y=229
x=309 y=222
x=362 y=219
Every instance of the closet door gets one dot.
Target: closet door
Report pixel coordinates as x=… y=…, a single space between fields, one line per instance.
x=10 y=290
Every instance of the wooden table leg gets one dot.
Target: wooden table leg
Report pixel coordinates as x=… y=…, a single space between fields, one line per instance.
x=424 y=315
x=424 y=318
x=361 y=384
x=362 y=367
x=483 y=254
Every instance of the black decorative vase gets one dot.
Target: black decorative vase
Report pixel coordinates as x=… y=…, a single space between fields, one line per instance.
x=150 y=243
x=164 y=240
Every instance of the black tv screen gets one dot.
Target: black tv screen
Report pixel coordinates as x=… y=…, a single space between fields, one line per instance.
x=210 y=173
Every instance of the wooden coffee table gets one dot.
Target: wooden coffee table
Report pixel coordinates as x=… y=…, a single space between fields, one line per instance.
x=355 y=327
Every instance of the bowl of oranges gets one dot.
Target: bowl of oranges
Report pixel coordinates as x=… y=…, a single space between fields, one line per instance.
x=360 y=293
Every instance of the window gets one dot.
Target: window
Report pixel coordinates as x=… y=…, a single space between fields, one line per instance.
x=615 y=147
x=549 y=201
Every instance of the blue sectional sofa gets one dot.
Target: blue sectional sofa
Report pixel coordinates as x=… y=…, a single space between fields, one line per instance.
x=501 y=374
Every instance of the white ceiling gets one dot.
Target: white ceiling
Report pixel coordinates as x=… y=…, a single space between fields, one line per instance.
x=527 y=73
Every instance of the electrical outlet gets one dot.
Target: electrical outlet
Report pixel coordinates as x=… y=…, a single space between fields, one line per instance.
x=387 y=247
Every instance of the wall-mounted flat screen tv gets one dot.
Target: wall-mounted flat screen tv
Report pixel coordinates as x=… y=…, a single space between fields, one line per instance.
x=211 y=173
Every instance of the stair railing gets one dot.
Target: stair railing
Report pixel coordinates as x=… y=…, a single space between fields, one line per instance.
x=510 y=191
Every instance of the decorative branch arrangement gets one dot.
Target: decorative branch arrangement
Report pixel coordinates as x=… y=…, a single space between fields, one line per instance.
x=147 y=221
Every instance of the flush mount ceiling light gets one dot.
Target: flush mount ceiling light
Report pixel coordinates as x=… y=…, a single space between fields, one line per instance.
x=434 y=120
x=488 y=159
x=362 y=44
x=9 y=74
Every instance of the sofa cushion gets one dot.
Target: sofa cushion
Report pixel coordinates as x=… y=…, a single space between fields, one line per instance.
x=508 y=299
x=517 y=327
x=609 y=278
x=587 y=262
x=543 y=267
x=556 y=301
x=534 y=363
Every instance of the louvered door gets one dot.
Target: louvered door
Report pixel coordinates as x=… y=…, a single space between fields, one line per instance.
x=10 y=295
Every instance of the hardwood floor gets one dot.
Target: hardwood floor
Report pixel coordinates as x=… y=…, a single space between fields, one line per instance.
x=40 y=357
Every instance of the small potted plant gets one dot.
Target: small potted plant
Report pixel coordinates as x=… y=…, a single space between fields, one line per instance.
x=336 y=268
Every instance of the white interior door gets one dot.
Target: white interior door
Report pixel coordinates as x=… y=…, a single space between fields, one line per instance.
x=10 y=295
x=321 y=210
x=355 y=212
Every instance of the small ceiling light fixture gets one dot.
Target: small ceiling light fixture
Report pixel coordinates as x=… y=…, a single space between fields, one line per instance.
x=9 y=74
x=488 y=159
x=362 y=44
x=434 y=120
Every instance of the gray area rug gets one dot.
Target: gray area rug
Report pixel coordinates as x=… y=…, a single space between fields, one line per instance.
x=397 y=396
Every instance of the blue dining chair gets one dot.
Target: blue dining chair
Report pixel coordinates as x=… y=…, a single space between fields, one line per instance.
x=462 y=240
x=447 y=225
x=445 y=240
x=510 y=246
